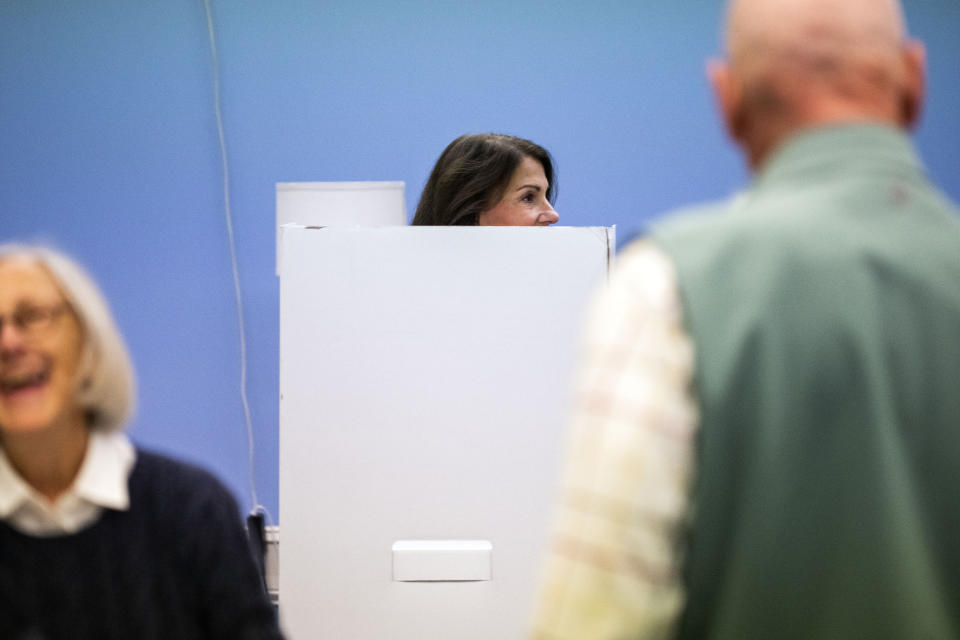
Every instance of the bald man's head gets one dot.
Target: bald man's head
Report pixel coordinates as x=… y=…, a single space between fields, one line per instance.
x=799 y=63
x=775 y=31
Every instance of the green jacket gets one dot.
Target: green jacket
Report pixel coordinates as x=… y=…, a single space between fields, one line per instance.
x=824 y=306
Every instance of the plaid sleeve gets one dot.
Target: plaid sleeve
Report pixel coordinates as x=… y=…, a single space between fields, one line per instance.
x=613 y=569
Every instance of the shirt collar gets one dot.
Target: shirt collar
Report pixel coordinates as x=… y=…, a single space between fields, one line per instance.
x=101 y=481
x=838 y=148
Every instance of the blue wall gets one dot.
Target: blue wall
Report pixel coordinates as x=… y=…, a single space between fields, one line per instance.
x=108 y=149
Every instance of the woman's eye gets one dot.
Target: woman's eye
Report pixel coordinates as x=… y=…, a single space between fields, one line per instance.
x=527 y=197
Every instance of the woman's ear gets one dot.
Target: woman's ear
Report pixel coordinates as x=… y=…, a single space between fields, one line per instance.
x=86 y=370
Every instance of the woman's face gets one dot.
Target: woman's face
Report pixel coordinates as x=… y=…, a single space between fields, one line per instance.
x=524 y=203
x=40 y=345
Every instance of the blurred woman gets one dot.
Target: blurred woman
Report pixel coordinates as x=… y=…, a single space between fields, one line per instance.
x=489 y=179
x=99 y=539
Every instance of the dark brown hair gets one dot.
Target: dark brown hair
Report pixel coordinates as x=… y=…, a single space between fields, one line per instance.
x=471 y=175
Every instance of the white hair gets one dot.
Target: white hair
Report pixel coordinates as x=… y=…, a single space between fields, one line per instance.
x=107 y=392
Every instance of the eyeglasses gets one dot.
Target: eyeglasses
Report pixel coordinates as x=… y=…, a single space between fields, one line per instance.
x=33 y=320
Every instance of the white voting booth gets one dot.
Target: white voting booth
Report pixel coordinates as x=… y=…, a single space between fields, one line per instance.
x=338 y=204
x=424 y=382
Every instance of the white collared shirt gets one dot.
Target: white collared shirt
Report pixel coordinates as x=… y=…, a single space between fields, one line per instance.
x=100 y=484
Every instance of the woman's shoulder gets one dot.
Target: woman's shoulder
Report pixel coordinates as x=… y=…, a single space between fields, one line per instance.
x=168 y=482
x=153 y=465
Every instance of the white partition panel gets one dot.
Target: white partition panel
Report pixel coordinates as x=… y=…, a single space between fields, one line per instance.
x=424 y=381
x=339 y=204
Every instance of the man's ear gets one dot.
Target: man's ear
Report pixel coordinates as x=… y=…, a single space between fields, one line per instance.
x=728 y=93
x=914 y=88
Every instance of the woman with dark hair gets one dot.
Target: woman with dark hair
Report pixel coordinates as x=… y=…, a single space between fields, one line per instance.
x=489 y=179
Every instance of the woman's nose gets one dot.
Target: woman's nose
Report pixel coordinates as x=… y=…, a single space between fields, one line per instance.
x=548 y=217
x=11 y=338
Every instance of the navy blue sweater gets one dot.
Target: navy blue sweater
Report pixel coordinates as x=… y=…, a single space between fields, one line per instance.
x=176 y=565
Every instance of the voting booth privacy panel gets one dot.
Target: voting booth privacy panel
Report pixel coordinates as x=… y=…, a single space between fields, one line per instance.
x=425 y=376
x=338 y=204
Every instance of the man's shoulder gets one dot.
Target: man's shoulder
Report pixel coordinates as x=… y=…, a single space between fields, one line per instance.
x=694 y=216
x=700 y=223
